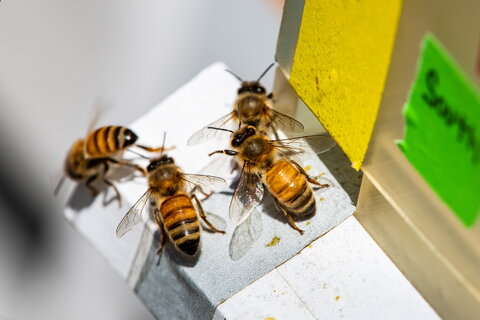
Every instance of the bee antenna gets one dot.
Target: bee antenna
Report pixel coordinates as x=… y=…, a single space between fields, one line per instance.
x=221 y=129
x=59 y=185
x=231 y=72
x=138 y=154
x=265 y=72
x=163 y=143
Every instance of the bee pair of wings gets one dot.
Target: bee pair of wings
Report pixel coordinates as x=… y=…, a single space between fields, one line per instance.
x=230 y=122
x=139 y=212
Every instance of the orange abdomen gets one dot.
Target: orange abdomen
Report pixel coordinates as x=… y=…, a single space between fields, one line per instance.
x=181 y=223
x=290 y=188
x=108 y=140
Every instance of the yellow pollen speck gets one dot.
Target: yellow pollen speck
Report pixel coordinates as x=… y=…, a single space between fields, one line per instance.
x=274 y=242
x=322 y=199
x=307 y=168
x=337 y=298
x=308 y=223
x=310 y=246
x=283 y=293
x=270 y=318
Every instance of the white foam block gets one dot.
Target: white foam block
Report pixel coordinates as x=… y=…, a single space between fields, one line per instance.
x=213 y=277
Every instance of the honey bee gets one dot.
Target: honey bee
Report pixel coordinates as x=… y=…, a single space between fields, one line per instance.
x=109 y=140
x=176 y=210
x=252 y=107
x=89 y=159
x=268 y=163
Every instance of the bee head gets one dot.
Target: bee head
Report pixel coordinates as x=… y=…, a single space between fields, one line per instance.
x=129 y=137
x=242 y=134
x=252 y=87
x=155 y=163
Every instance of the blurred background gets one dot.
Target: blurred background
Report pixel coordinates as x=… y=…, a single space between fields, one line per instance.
x=60 y=58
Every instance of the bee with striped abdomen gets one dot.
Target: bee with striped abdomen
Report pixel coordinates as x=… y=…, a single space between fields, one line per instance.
x=89 y=159
x=252 y=107
x=267 y=162
x=176 y=207
x=109 y=140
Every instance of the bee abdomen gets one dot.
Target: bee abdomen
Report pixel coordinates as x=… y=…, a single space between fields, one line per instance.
x=108 y=140
x=181 y=223
x=303 y=204
x=290 y=188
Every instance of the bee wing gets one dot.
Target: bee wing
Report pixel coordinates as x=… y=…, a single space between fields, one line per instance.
x=217 y=221
x=284 y=122
x=203 y=182
x=138 y=213
x=99 y=109
x=220 y=167
x=245 y=235
x=247 y=196
x=204 y=134
x=320 y=143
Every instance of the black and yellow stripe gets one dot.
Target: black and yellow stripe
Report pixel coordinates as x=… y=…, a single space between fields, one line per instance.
x=108 y=140
x=291 y=189
x=181 y=223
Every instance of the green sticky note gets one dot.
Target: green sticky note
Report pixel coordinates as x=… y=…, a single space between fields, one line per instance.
x=442 y=134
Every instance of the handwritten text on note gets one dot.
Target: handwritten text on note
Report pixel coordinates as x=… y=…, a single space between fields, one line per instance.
x=442 y=134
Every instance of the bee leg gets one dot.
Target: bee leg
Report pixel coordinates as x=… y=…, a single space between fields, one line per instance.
x=227 y=152
x=290 y=220
x=309 y=179
x=235 y=166
x=118 y=196
x=203 y=216
x=271 y=97
x=274 y=130
x=163 y=233
x=163 y=240
x=163 y=236
x=88 y=183
x=127 y=163
x=106 y=167
x=207 y=195
x=152 y=149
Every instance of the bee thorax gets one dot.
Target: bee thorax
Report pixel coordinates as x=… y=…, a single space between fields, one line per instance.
x=254 y=149
x=249 y=105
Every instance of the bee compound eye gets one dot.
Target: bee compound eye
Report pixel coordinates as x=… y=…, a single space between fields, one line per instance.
x=152 y=165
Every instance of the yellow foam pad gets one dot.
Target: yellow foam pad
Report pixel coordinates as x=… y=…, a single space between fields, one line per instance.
x=341 y=63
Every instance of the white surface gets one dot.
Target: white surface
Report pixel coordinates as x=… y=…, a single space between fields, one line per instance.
x=97 y=223
x=343 y=274
x=215 y=276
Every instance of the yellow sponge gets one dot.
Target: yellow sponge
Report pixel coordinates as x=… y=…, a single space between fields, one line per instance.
x=340 y=65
